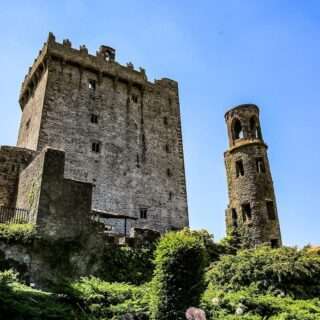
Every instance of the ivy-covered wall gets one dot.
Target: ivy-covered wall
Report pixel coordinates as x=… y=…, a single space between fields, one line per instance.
x=48 y=262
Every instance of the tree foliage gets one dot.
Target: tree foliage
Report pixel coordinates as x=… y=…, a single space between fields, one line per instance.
x=104 y=300
x=180 y=259
x=264 y=283
x=287 y=271
x=126 y=264
x=250 y=304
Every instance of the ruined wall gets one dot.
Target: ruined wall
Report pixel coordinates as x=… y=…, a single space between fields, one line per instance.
x=249 y=179
x=60 y=207
x=140 y=160
x=12 y=161
x=29 y=187
x=64 y=205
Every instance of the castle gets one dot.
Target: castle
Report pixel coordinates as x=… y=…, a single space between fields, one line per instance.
x=99 y=142
x=96 y=139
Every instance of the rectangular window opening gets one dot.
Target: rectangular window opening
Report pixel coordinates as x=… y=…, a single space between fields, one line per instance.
x=94 y=118
x=134 y=98
x=274 y=243
x=96 y=147
x=143 y=213
x=271 y=210
x=260 y=165
x=107 y=227
x=92 y=84
x=239 y=168
x=246 y=212
x=234 y=218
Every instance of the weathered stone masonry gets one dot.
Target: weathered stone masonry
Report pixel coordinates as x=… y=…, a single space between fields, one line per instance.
x=252 y=204
x=119 y=132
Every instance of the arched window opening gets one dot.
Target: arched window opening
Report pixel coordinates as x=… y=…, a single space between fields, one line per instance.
x=237 y=130
x=255 y=129
x=259 y=135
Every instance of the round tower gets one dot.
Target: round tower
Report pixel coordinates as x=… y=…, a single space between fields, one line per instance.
x=252 y=210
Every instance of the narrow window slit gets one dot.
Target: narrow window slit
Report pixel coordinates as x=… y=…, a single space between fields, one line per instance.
x=260 y=165
x=239 y=168
x=271 y=210
x=92 y=84
x=246 y=212
x=234 y=218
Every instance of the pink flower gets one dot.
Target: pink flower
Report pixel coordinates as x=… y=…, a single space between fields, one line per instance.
x=195 y=314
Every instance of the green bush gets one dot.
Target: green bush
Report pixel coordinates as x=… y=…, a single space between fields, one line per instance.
x=17 y=232
x=180 y=259
x=255 y=306
x=126 y=264
x=20 y=302
x=104 y=300
x=284 y=271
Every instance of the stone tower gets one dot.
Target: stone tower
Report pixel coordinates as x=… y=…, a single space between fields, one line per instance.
x=252 y=209
x=119 y=131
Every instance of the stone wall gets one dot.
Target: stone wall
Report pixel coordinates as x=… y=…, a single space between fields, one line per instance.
x=12 y=161
x=140 y=161
x=32 y=114
x=29 y=187
x=249 y=179
x=64 y=206
x=46 y=262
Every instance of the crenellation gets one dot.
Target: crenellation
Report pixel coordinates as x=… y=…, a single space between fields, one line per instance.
x=103 y=64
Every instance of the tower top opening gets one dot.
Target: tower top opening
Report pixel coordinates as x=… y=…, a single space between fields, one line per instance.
x=247 y=106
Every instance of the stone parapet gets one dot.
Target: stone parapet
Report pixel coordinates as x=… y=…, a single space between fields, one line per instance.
x=103 y=64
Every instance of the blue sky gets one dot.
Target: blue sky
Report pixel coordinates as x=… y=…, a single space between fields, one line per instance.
x=222 y=53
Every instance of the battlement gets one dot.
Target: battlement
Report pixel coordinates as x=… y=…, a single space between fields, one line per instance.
x=102 y=63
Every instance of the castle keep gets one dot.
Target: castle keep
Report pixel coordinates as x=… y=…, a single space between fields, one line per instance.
x=252 y=208
x=96 y=136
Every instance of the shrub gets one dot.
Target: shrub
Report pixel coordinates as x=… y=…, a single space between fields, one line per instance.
x=180 y=260
x=250 y=304
x=104 y=300
x=17 y=232
x=286 y=271
x=18 y=301
x=127 y=264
